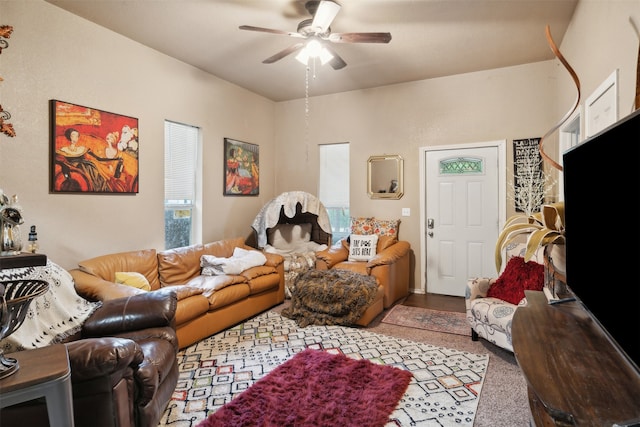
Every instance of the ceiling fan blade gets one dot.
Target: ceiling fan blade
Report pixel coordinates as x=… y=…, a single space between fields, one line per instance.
x=336 y=62
x=325 y=14
x=269 y=30
x=288 y=51
x=359 y=37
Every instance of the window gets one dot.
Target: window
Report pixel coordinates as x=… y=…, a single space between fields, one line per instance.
x=334 y=187
x=180 y=190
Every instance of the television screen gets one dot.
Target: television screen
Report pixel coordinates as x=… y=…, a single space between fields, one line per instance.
x=602 y=225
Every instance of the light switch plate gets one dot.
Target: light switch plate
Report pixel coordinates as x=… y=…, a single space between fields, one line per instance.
x=406 y=211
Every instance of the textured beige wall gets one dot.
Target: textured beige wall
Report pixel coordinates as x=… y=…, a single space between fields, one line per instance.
x=53 y=54
x=510 y=103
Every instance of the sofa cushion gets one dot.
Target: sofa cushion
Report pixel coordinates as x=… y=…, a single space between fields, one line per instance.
x=134 y=279
x=179 y=265
x=105 y=267
x=362 y=248
x=224 y=248
x=517 y=277
x=211 y=284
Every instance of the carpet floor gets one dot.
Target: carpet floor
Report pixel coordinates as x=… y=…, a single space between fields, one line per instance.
x=444 y=390
x=424 y=318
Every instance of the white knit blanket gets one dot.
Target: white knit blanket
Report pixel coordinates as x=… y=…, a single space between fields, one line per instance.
x=54 y=315
x=242 y=259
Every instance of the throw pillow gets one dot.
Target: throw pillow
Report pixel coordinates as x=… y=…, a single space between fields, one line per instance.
x=361 y=225
x=517 y=277
x=132 y=278
x=362 y=248
x=383 y=227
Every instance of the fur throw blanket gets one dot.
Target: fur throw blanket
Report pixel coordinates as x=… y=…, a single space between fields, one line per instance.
x=330 y=297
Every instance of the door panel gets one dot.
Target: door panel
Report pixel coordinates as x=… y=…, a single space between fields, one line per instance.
x=463 y=201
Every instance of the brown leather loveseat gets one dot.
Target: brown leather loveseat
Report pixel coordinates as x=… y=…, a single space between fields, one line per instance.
x=206 y=304
x=123 y=366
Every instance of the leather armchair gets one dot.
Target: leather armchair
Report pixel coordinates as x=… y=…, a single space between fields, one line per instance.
x=390 y=265
x=123 y=366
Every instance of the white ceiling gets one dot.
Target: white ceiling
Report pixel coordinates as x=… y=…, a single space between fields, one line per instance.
x=430 y=38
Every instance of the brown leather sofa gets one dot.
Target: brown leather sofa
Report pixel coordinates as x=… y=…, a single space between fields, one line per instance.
x=206 y=304
x=390 y=265
x=123 y=366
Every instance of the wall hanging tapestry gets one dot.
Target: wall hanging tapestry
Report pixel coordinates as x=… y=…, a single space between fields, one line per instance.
x=92 y=151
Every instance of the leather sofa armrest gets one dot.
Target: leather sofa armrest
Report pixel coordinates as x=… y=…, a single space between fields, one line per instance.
x=477 y=287
x=390 y=255
x=142 y=311
x=96 y=357
x=329 y=257
x=93 y=288
x=273 y=260
x=160 y=333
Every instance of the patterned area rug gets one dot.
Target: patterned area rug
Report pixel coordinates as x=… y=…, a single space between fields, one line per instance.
x=444 y=390
x=318 y=388
x=434 y=320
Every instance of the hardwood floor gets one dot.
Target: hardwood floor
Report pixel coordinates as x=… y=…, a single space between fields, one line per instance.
x=436 y=302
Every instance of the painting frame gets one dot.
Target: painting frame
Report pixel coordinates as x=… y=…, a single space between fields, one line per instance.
x=92 y=151
x=241 y=171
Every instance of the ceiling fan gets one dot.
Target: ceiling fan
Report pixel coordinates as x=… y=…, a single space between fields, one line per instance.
x=317 y=31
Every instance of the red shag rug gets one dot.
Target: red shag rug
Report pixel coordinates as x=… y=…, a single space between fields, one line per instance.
x=317 y=388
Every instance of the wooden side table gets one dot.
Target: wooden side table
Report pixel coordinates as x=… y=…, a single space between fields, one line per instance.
x=44 y=372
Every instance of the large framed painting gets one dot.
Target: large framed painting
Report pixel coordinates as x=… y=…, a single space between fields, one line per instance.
x=92 y=151
x=241 y=168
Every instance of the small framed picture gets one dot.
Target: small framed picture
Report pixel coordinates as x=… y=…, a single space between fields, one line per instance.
x=241 y=168
x=92 y=151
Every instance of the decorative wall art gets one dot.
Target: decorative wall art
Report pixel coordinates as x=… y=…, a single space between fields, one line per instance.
x=92 y=151
x=528 y=177
x=5 y=127
x=241 y=168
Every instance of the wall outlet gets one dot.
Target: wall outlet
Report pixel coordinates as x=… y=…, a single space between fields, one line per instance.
x=406 y=211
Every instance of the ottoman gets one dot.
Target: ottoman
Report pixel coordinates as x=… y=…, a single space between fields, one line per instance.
x=335 y=297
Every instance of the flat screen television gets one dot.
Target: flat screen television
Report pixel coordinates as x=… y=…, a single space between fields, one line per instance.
x=602 y=226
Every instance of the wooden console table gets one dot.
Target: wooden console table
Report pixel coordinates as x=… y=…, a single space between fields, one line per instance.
x=575 y=375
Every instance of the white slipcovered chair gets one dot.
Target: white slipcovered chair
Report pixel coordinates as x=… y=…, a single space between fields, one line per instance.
x=490 y=318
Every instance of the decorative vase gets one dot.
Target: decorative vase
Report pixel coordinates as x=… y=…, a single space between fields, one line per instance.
x=10 y=239
x=555 y=272
x=15 y=297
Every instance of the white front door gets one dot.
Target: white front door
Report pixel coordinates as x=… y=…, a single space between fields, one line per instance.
x=464 y=210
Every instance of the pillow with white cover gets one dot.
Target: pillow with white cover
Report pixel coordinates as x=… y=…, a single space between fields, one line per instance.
x=289 y=236
x=362 y=248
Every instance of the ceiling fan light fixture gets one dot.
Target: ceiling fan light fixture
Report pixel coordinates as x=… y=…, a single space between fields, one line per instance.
x=314 y=49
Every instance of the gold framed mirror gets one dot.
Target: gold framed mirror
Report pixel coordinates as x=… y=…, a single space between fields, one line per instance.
x=385 y=177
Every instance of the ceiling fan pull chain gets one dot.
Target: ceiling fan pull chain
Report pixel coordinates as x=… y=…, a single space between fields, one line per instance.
x=306 y=111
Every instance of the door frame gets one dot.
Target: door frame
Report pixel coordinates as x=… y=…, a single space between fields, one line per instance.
x=501 y=145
